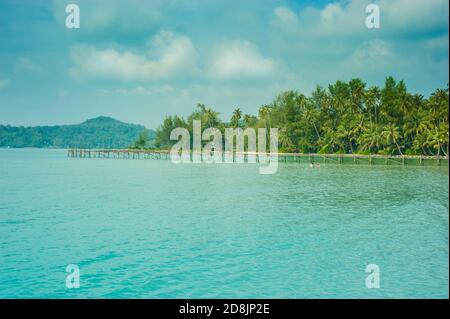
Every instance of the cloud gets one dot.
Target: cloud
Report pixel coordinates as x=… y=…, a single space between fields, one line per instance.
x=331 y=12
x=326 y=42
x=285 y=19
x=170 y=55
x=437 y=43
x=174 y=56
x=239 y=60
x=415 y=15
x=26 y=65
x=371 y=54
x=4 y=83
x=311 y=22
x=141 y=90
x=348 y=18
x=103 y=17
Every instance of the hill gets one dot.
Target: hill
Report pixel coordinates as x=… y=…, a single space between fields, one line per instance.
x=100 y=132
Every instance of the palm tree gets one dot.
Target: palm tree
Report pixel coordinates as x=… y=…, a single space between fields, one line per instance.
x=211 y=117
x=357 y=90
x=286 y=143
x=311 y=116
x=391 y=134
x=345 y=117
x=371 y=139
x=236 y=117
x=250 y=120
x=302 y=101
x=371 y=99
x=437 y=138
x=264 y=113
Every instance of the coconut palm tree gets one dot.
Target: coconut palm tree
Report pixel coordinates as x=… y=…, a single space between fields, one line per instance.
x=264 y=114
x=345 y=117
x=391 y=134
x=236 y=117
x=371 y=139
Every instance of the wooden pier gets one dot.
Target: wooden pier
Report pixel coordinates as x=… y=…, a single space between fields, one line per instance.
x=119 y=154
x=339 y=159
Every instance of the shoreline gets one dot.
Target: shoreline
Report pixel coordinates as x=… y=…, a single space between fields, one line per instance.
x=131 y=150
x=357 y=159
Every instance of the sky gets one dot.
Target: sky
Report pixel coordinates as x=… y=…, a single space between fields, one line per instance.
x=138 y=61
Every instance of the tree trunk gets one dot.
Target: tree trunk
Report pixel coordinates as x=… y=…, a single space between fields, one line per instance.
x=443 y=150
x=317 y=132
x=398 y=147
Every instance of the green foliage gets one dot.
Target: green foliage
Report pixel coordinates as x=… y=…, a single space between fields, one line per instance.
x=207 y=116
x=101 y=132
x=162 y=139
x=347 y=117
x=143 y=140
x=236 y=118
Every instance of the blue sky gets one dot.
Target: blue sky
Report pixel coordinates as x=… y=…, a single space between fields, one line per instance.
x=138 y=61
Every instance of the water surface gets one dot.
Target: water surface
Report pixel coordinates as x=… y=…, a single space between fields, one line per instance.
x=152 y=229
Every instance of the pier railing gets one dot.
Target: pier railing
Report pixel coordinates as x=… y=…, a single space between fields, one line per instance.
x=355 y=159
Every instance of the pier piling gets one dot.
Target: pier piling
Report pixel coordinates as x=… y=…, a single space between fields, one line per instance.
x=337 y=159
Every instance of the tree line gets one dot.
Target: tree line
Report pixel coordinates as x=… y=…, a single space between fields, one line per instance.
x=346 y=118
x=100 y=132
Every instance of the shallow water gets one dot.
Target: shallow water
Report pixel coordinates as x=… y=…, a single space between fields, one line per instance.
x=153 y=229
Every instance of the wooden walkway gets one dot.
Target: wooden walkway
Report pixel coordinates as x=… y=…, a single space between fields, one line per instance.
x=355 y=159
x=121 y=154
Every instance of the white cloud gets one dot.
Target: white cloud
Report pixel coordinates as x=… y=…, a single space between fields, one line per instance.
x=26 y=65
x=173 y=56
x=331 y=12
x=342 y=18
x=331 y=41
x=239 y=60
x=170 y=55
x=141 y=90
x=373 y=52
x=411 y=15
x=285 y=18
x=348 y=18
x=4 y=83
x=99 y=16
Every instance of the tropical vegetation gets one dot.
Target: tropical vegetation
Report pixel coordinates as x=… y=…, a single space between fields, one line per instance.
x=347 y=117
x=100 y=132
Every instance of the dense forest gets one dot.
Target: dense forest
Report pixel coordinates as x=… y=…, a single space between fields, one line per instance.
x=347 y=117
x=100 y=132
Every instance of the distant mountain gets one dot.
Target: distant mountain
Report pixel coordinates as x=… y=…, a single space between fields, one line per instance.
x=100 y=132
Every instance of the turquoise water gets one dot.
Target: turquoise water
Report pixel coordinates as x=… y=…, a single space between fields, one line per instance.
x=152 y=229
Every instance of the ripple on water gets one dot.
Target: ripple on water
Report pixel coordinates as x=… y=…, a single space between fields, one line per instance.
x=150 y=229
